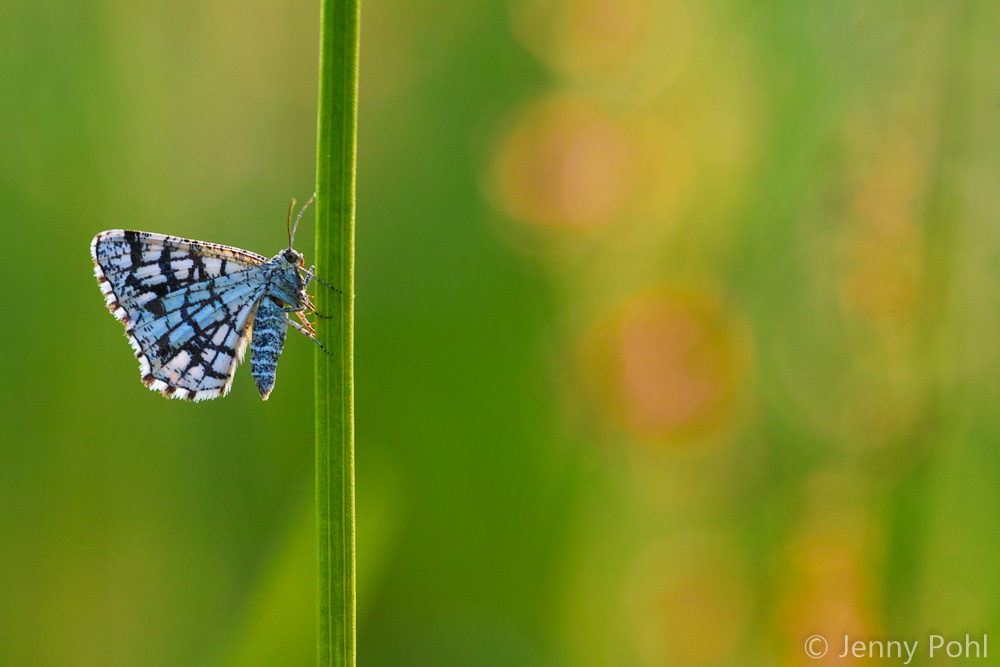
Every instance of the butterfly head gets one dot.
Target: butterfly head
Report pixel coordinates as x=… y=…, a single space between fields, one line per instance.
x=292 y=257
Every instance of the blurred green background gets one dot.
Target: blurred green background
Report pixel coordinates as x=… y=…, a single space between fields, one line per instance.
x=677 y=331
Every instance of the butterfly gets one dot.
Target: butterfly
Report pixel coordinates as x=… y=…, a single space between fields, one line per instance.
x=190 y=307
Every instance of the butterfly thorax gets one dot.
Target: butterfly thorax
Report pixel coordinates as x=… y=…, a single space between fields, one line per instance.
x=284 y=281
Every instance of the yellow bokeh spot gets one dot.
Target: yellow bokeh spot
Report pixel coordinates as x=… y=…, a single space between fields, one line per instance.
x=571 y=163
x=567 y=163
x=668 y=364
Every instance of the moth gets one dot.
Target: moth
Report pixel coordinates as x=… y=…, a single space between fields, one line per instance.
x=190 y=307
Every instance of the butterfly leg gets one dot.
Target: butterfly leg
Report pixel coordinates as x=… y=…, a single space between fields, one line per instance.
x=311 y=307
x=310 y=276
x=309 y=334
x=306 y=324
x=299 y=312
x=309 y=304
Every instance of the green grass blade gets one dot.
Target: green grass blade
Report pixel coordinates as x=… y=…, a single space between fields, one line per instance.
x=335 y=179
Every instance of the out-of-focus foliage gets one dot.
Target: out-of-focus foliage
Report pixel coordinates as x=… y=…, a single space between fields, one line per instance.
x=677 y=334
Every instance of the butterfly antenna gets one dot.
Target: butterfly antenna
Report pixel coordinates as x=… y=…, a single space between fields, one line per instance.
x=291 y=235
x=288 y=225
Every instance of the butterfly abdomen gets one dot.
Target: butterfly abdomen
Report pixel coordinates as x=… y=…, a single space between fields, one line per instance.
x=269 y=329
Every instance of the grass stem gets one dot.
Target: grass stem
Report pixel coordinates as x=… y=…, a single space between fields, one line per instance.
x=335 y=189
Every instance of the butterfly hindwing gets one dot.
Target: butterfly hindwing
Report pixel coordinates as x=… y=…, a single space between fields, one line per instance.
x=196 y=345
x=187 y=307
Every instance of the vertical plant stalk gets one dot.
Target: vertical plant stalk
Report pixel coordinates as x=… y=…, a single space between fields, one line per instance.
x=335 y=185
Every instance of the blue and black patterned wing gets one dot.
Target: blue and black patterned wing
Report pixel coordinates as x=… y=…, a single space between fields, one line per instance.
x=187 y=306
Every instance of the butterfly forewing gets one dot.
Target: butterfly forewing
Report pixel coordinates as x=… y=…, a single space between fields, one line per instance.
x=187 y=307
